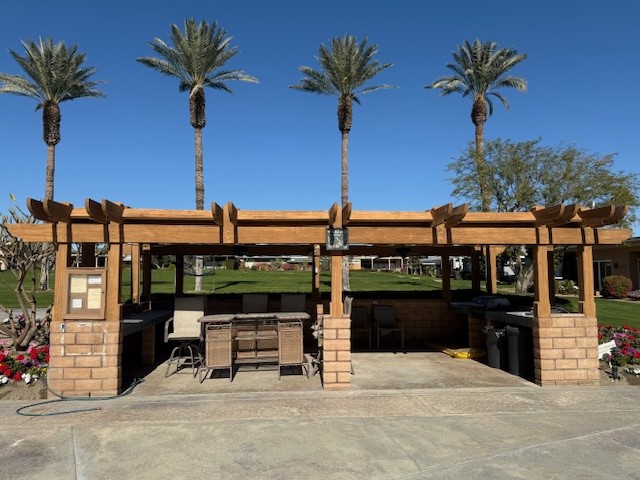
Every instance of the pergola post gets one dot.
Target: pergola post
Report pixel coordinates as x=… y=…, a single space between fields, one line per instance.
x=491 y=270
x=315 y=274
x=586 y=287
x=446 y=278
x=475 y=271
x=146 y=274
x=135 y=272
x=335 y=309
x=179 y=280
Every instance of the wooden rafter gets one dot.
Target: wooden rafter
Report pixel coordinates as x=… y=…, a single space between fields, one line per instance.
x=333 y=214
x=448 y=214
x=58 y=212
x=218 y=214
x=37 y=210
x=556 y=215
x=112 y=211
x=94 y=210
x=346 y=214
x=233 y=213
x=597 y=217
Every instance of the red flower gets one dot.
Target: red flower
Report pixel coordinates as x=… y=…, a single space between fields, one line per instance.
x=33 y=354
x=17 y=376
x=636 y=354
x=20 y=357
x=2 y=357
x=46 y=358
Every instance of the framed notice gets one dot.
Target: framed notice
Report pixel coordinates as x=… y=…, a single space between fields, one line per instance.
x=86 y=289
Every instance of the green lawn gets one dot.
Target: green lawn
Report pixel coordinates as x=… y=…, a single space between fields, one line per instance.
x=610 y=312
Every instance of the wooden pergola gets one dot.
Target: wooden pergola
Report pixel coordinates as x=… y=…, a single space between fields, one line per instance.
x=445 y=230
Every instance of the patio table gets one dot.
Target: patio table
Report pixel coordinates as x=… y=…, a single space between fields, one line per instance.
x=270 y=337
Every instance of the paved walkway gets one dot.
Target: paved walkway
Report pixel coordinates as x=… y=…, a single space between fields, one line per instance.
x=448 y=433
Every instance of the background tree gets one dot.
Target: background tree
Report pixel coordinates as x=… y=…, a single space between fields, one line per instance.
x=196 y=60
x=345 y=68
x=22 y=258
x=520 y=175
x=480 y=71
x=55 y=73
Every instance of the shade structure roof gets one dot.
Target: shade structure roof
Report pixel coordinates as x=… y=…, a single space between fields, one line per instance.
x=228 y=229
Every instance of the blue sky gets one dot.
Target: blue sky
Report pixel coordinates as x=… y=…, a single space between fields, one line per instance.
x=270 y=147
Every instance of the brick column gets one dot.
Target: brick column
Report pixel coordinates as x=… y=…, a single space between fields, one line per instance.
x=565 y=350
x=336 y=353
x=476 y=336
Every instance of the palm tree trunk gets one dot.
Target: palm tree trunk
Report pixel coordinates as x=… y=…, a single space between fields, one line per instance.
x=345 y=199
x=345 y=168
x=480 y=168
x=199 y=202
x=49 y=176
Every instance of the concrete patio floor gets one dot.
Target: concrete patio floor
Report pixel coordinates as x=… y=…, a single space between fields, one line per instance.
x=372 y=371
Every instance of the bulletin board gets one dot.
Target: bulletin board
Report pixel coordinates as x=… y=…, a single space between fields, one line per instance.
x=86 y=289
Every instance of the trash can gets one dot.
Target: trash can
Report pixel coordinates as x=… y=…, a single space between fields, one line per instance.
x=520 y=351
x=496 y=355
x=513 y=344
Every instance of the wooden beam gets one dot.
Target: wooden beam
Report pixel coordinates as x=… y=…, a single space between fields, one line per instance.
x=597 y=217
x=58 y=212
x=37 y=210
x=112 y=211
x=94 y=210
x=233 y=213
x=218 y=214
x=152 y=215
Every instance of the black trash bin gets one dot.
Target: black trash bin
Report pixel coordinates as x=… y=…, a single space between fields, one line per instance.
x=520 y=350
x=513 y=347
x=496 y=354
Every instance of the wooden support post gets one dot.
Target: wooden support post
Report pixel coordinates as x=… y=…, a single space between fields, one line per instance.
x=492 y=270
x=146 y=274
x=114 y=280
x=446 y=278
x=61 y=286
x=88 y=258
x=551 y=274
x=475 y=271
x=336 y=285
x=135 y=273
x=586 y=301
x=179 y=282
x=541 y=304
x=315 y=274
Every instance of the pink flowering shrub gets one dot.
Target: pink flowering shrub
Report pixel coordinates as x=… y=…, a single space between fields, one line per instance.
x=616 y=286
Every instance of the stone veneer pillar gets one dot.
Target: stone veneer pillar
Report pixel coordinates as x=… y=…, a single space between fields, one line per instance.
x=336 y=353
x=85 y=355
x=565 y=350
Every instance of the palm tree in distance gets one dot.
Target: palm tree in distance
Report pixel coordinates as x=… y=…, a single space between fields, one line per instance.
x=480 y=70
x=55 y=74
x=195 y=59
x=345 y=68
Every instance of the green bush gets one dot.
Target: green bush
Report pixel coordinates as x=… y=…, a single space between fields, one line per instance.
x=616 y=286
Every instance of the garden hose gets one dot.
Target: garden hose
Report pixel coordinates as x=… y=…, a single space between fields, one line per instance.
x=62 y=398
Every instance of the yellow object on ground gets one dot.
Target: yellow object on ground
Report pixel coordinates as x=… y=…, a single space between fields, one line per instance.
x=465 y=352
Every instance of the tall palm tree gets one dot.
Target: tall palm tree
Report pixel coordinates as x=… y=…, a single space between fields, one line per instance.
x=195 y=60
x=55 y=74
x=345 y=67
x=480 y=70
